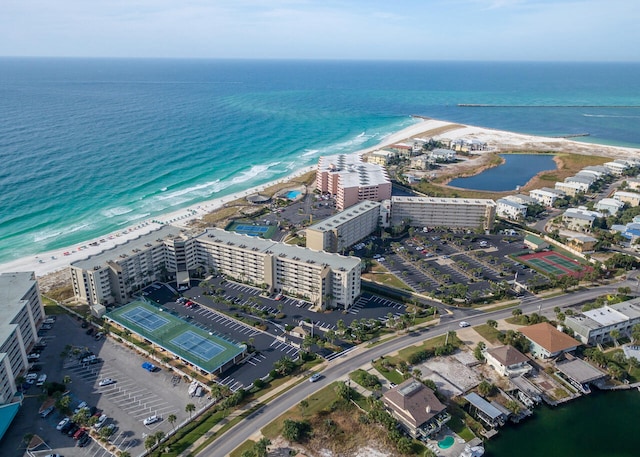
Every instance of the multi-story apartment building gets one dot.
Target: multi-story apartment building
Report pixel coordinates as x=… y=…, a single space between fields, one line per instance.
x=458 y=213
x=327 y=280
x=579 y=219
x=595 y=326
x=350 y=180
x=570 y=188
x=113 y=275
x=345 y=228
x=21 y=313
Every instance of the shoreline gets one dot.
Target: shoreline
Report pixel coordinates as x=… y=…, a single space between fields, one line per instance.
x=54 y=261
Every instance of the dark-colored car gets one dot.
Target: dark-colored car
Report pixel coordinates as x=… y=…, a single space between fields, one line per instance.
x=85 y=324
x=84 y=440
x=66 y=427
x=89 y=331
x=35 y=368
x=72 y=431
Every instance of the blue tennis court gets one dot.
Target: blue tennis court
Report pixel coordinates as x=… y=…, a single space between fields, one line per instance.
x=197 y=345
x=251 y=229
x=145 y=319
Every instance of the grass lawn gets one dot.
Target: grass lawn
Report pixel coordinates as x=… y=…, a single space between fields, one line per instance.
x=487 y=332
x=390 y=374
x=428 y=344
x=319 y=401
x=387 y=279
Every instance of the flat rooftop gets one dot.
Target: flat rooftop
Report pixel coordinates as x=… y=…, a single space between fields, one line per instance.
x=131 y=247
x=580 y=371
x=298 y=253
x=443 y=201
x=13 y=288
x=344 y=216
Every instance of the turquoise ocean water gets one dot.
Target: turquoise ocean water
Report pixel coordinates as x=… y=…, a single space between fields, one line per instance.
x=89 y=146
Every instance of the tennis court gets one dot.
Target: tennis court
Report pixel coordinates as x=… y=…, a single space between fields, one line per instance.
x=553 y=263
x=198 y=345
x=145 y=319
x=192 y=344
x=251 y=229
x=264 y=231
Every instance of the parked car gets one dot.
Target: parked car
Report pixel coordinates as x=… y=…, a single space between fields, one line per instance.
x=101 y=421
x=151 y=420
x=41 y=380
x=149 y=366
x=106 y=382
x=47 y=412
x=62 y=423
x=81 y=405
x=89 y=331
x=99 y=335
x=79 y=433
x=84 y=440
x=65 y=429
x=72 y=431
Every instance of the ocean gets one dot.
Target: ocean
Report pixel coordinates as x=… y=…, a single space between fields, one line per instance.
x=91 y=146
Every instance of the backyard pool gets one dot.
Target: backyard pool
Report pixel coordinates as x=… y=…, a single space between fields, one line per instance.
x=293 y=194
x=446 y=443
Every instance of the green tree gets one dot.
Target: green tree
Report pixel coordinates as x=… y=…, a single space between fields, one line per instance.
x=477 y=352
x=296 y=431
x=486 y=389
x=190 y=408
x=149 y=442
x=171 y=418
x=304 y=404
x=491 y=323
x=614 y=334
x=261 y=447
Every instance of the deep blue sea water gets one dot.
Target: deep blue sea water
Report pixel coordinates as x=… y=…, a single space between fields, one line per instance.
x=89 y=146
x=516 y=171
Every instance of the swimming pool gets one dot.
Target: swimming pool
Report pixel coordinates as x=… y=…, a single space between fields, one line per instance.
x=446 y=443
x=293 y=194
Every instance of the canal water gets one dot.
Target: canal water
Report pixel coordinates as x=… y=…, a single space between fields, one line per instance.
x=602 y=424
x=517 y=170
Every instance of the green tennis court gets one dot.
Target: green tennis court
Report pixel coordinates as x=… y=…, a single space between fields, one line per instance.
x=564 y=262
x=193 y=344
x=549 y=268
x=248 y=228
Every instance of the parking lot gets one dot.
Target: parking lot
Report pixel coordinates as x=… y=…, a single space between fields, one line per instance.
x=135 y=395
x=212 y=314
x=434 y=261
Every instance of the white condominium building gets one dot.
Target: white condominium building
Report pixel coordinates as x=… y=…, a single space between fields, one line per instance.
x=21 y=313
x=345 y=228
x=113 y=275
x=595 y=326
x=546 y=196
x=327 y=280
x=350 y=180
x=510 y=209
x=458 y=213
x=632 y=198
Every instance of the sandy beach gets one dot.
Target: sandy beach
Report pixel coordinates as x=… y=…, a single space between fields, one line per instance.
x=59 y=259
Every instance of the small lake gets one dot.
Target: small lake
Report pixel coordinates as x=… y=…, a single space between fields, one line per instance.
x=517 y=170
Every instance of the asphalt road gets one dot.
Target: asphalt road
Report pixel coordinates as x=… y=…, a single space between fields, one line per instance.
x=355 y=359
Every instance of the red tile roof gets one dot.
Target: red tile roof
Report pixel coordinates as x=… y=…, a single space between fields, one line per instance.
x=548 y=337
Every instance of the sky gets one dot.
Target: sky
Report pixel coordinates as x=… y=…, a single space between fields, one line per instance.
x=489 y=30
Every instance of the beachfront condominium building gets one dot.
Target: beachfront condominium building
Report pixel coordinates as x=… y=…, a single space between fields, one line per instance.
x=350 y=180
x=632 y=198
x=346 y=228
x=595 y=326
x=115 y=275
x=431 y=212
x=112 y=276
x=21 y=313
x=327 y=280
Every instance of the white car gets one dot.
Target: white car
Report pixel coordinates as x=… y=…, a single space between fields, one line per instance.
x=106 y=382
x=464 y=324
x=62 y=423
x=314 y=377
x=82 y=405
x=101 y=421
x=151 y=420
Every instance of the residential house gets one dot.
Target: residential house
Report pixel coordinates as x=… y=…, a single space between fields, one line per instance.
x=416 y=408
x=579 y=219
x=546 y=196
x=510 y=209
x=570 y=188
x=632 y=198
x=609 y=206
x=484 y=411
x=508 y=361
x=548 y=342
x=522 y=199
x=617 y=167
x=582 y=243
x=380 y=157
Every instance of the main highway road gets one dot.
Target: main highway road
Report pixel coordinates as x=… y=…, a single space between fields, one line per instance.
x=360 y=356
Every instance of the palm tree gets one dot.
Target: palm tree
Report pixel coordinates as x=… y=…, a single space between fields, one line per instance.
x=149 y=442
x=614 y=334
x=172 y=420
x=190 y=408
x=304 y=404
x=159 y=435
